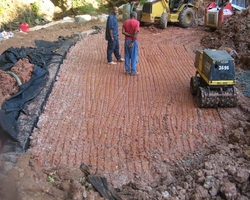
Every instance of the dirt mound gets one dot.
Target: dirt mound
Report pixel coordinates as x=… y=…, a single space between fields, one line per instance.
x=7 y=85
x=234 y=35
x=20 y=72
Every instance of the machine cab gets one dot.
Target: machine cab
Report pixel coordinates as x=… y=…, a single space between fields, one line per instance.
x=176 y=4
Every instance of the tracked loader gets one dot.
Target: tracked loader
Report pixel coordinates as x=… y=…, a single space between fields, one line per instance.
x=214 y=81
x=217 y=11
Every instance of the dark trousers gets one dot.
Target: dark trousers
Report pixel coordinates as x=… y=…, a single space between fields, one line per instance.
x=113 y=47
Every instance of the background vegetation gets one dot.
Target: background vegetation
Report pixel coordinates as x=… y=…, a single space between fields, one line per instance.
x=14 y=12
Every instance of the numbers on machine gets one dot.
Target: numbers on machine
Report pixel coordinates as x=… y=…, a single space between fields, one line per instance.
x=223 y=67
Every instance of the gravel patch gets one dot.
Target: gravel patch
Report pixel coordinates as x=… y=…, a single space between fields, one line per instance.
x=243 y=80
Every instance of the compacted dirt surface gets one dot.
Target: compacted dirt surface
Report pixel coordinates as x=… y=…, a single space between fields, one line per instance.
x=143 y=136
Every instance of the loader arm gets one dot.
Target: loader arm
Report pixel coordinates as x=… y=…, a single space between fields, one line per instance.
x=165 y=4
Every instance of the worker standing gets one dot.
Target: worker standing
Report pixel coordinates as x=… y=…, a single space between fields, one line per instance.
x=112 y=37
x=131 y=29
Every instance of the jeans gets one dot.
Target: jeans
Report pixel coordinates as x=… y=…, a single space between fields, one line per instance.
x=131 y=56
x=113 y=47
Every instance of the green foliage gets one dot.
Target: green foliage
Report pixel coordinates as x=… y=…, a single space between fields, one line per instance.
x=87 y=9
x=3 y=5
x=20 y=11
x=39 y=17
x=1 y=10
x=91 y=7
x=51 y=179
x=78 y=3
x=27 y=19
x=36 y=7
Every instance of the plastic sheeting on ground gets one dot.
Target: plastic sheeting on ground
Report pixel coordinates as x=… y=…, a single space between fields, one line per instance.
x=41 y=57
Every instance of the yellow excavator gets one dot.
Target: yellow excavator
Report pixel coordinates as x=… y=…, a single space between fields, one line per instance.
x=163 y=11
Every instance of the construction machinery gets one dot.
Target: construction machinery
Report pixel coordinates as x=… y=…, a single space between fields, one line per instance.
x=214 y=81
x=217 y=12
x=163 y=11
x=133 y=6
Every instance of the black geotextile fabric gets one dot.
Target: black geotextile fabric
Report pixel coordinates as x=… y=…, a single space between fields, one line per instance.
x=101 y=185
x=41 y=56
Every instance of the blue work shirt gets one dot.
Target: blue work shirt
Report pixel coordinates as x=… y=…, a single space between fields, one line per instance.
x=112 y=23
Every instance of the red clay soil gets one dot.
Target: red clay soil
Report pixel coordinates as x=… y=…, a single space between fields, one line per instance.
x=130 y=129
x=8 y=84
x=122 y=125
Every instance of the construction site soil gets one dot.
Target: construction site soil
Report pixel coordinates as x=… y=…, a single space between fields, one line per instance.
x=105 y=135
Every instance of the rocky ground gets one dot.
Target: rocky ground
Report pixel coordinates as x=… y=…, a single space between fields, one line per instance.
x=217 y=171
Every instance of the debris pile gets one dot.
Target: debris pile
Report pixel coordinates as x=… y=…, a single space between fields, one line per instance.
x=5 y=35
x=233 y=34
x=54 y=183
x=8 y=86
x=9 y=81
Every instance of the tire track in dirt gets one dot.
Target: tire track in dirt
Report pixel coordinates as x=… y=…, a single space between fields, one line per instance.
x=124 y=126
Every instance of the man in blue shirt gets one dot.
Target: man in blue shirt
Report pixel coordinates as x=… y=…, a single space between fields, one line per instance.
x=112 y=37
